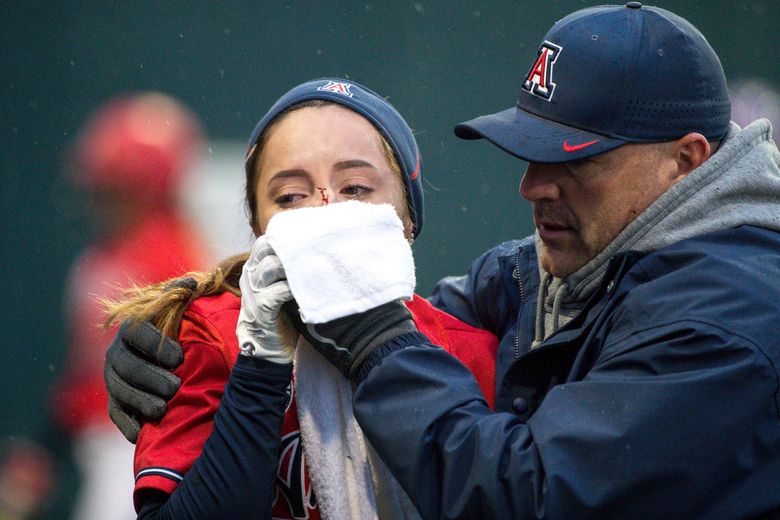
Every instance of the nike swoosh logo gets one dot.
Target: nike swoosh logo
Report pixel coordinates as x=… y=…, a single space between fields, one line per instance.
x=575 y=147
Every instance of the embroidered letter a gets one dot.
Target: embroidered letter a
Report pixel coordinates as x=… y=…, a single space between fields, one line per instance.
x=539 y=80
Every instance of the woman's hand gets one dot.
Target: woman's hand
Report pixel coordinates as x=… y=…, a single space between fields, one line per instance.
x=263 y=329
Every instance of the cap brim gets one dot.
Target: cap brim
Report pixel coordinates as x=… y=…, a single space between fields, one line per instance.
x=535 y=139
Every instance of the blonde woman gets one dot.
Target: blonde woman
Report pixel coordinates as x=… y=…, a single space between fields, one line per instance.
x=325 y=141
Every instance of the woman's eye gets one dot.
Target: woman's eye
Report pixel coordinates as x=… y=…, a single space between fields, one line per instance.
x=356 y=190
x=288 y=199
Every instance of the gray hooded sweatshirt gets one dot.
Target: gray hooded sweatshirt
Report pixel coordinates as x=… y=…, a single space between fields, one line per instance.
x=738 y=185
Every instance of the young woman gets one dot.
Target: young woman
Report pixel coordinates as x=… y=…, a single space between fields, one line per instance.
x=325 y=141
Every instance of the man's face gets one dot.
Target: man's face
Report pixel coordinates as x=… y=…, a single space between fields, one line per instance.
x=580 y=206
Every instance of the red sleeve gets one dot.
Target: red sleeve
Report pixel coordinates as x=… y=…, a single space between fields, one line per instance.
x=166 y=450
x=475 y=348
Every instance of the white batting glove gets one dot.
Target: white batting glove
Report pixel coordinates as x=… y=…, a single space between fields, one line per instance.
x=262 y=331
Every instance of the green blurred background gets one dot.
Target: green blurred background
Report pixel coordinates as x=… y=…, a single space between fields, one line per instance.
x=438 y=62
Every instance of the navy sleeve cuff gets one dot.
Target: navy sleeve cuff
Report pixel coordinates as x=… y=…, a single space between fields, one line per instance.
x=253 y=367
x=397 y=343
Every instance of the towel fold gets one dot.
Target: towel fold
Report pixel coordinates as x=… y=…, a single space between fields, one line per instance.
x=333 y=444
x=342 y=259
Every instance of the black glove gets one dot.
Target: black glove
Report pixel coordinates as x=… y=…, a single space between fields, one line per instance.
x=346 y=342
x=137 y=373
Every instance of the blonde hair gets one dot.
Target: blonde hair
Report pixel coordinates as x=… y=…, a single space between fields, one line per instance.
x=164 y=303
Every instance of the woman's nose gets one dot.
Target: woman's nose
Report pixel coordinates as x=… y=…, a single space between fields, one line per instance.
x=324 y=197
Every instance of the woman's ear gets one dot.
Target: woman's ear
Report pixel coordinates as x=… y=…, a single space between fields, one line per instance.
x=256 y=231
x=408 y=229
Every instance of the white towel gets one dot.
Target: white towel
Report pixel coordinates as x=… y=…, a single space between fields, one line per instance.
x=342 y=259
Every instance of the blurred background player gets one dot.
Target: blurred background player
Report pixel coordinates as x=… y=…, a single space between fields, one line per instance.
x=26 y=478
x=754 y=98
x=130 y=158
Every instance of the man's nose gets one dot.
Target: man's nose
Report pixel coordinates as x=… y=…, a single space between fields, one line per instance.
x=538 y=182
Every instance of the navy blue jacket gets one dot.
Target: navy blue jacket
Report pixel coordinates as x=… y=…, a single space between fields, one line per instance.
x=660 y=400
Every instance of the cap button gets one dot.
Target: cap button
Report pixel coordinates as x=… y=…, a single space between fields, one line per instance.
x=634 y=5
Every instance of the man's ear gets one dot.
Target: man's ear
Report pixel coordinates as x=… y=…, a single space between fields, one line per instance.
x=690 y=152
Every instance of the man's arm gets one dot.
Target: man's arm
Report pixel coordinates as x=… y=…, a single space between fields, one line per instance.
x=140 y=358
x=644 y=433
x=478 y=297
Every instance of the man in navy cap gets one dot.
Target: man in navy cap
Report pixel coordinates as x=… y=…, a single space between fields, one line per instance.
x=638 y=366
x=637 y=374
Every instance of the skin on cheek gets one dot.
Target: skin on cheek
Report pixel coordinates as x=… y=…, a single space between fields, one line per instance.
x=598 y=200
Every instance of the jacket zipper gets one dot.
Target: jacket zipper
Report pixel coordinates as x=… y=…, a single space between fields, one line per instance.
x=518 y=277
x=609 y=273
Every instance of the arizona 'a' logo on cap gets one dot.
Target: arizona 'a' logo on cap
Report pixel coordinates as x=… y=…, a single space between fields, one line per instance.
x=338 y=87
x=539 y=80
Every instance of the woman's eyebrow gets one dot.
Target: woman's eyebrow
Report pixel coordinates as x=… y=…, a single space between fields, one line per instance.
x=284 y=174
x=353 y=163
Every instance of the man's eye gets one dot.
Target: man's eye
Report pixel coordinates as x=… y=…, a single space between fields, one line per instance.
x=578 y=167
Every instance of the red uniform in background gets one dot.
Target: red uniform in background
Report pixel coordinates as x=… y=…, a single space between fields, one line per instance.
x=101 y=272
x=130 y=158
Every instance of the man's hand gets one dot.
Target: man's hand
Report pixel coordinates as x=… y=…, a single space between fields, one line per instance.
x=138 y=377
x=263 y=330
x=346 y=342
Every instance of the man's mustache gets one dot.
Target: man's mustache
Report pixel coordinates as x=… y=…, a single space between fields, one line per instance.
x=555 y=214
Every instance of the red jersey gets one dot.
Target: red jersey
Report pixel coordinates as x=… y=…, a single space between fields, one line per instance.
x=102 y=271
x=165 y=451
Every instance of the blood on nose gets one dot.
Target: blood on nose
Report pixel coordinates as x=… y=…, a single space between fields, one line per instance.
x=324 y=195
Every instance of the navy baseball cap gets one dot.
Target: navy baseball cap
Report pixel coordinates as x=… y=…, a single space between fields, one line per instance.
x=378 y=111
x=610 y=75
